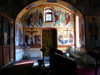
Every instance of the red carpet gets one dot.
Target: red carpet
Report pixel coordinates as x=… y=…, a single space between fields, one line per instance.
x=25 y=63
x=85 y=71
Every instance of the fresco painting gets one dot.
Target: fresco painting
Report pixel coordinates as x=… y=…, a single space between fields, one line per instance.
x=33 y=22
x=40 y=19
x=33 y=19
x=34 y=37
x=65 y=37
x=19 y=34
x=62 y=18
x=28 y=20
x=56 y=14
x=67 y=18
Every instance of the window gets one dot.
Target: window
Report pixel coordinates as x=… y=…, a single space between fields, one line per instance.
x=48 y=15
x=77 y=32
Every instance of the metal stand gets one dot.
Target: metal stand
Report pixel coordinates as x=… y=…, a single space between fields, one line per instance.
x=26 y=52
x=43 y=50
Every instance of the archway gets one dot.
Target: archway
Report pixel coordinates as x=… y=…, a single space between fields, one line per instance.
x=66 y=19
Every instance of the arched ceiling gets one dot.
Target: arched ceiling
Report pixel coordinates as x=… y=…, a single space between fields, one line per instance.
x=12 y=7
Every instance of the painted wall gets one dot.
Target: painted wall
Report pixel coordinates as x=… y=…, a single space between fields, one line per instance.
x=18 y=41
x=32 y=17
x=63 y=21
x=18 y=34
x=19 y=54
x=35 y=17
x=33 y=37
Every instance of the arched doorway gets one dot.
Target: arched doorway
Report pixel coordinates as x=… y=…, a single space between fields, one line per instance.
x=49 y=39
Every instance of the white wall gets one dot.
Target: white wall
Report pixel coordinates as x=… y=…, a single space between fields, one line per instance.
x=19 y=54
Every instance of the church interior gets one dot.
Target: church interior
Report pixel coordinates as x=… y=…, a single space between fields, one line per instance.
x=49 y=37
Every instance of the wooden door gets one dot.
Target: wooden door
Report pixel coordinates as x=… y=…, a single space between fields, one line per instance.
x=49 y=39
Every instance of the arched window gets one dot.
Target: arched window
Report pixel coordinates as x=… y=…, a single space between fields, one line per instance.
x=48 y=15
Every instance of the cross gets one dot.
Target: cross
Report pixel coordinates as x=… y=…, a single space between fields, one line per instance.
x=67 y=30
x=31 y=34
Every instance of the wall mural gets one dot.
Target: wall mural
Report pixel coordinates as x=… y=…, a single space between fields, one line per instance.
x=19 y=34
x=33 y=37
x=56 y=15
x=67 y=18
x=65 y=36
x=40 y=19
x=63 y=20
x=33 y=19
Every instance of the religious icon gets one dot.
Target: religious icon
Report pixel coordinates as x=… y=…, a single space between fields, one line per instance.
x=70 y=38
x=65 y=36
x=67 y=18
x=62 y=17
x=39 y=39
x=63 y=39
x=40 y=19
x=34 y=37
x=56 y=17
x=28 y=19
x=29 y=41
x=26 y=39
x=20 y=36
x=36 y=18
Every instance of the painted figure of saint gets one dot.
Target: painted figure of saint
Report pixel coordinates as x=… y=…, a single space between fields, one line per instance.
x=62 y=17
x=39 y=39
x=67 y=18
x=35 y=18
x=28 y=20
x=70 y=38
x=36 y=38
x=26 y=39
x=56 y=18
x=40 y=19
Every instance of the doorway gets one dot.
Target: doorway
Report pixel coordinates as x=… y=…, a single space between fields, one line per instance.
x=49 y=39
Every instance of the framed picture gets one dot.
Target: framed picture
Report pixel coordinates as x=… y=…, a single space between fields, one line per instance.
x=92 y=31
